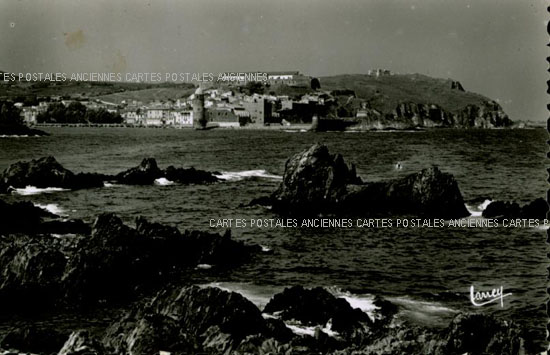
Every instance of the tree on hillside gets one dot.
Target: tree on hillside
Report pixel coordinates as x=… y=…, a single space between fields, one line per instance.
x=10 y=115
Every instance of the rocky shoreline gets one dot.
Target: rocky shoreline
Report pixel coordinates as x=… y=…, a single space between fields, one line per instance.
x=51 y=264
x=46 y=172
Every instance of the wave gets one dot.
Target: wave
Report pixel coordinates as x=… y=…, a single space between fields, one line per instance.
x=32 y=190
x=163 y=182
x=300 y=329
x=204 y=267
x=423 y=312
x=364 y=302
x=241 y=175
x=52 y=208
x=476 y=211
x=18 y=136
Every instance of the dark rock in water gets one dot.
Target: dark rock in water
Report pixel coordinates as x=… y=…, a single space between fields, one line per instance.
x=317 y=182
x=20 y=130
x=188 y=320
x=501 y=209
x=259 y=201
x=429 y=192
x=538 y=209
x=33 y=340
x=313 y=180
x=316 y=307
x=21 y=217
x=43 y=172
x=82 y=343
x=144 y=174
x=46 y=172
x=189 y=176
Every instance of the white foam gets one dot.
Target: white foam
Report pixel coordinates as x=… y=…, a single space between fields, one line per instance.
x=52 y=208
x=424 y=311
x=241 y=175
x=265 y=249
x=204 y=267
x=477 y=211
x=18 y=136
x=32 y=190
x=363 y=302
x=300 y=329
x=163 y=181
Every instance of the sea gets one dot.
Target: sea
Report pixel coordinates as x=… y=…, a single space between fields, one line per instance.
x=427 y=271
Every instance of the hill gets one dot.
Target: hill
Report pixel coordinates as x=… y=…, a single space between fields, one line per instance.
x=415 y=100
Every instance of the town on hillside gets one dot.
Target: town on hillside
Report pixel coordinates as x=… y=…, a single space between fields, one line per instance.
x=238 y=101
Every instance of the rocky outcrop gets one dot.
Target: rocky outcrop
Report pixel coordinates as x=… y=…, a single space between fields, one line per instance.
x=24 y=217
x=113 y=263
x=536 y=209
x=413 y=115
x=116 y=261
x=47 y=172
x=188 y=320
x=82 y=343
x=318 y=307
x=189 y=176
x=209 y=320
x=144 y=174
x=315 y=181
x=33 y=340
x=31 y=271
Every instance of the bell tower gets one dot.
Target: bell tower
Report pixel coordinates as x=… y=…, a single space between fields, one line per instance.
x=199 y=115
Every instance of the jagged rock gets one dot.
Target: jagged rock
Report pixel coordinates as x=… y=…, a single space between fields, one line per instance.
x=189 y=176
x=33 y=340
x=30 y=272
x=316 y=307
x=46 y=172
x=536 y=209
x=21 y=217
x=207 y=319
x=69 y=226
x=315 y=181
x=117 y=259
x=429 y=193
x=501 y=209
x=480 y=334
x=144 y=174
x=24 y=217
x=82 y=343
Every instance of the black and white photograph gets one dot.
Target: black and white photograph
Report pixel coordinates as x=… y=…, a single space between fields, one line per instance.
x=273 y=177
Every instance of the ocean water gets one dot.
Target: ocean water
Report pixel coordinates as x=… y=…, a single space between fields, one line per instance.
x=426 y=271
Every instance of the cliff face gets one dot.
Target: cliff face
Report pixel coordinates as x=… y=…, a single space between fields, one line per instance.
x=412 y=100
x=411 y=115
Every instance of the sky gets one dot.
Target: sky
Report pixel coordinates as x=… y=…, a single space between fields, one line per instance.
x=493 y=47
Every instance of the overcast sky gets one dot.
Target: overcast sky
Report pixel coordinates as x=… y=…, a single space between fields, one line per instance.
x=494 y=47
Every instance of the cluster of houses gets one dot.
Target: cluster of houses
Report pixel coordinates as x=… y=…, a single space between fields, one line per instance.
x=226 y=107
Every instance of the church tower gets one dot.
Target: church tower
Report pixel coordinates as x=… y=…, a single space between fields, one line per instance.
x=199 y=115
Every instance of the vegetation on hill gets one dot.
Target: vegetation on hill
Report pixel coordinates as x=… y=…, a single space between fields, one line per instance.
x=11 y=122
x=386 y=92
x=75 y=112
